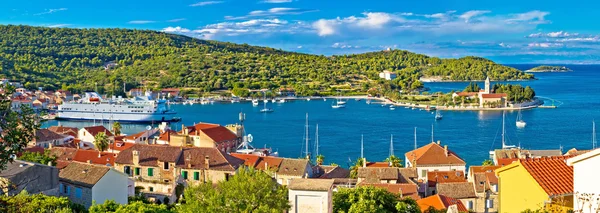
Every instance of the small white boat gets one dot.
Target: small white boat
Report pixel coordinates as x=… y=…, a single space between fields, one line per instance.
x=337 y=106
x=266 y=110
x=341 y=102
x=520 y=122
x=282 y=101
x=392 y=107
x=368 y=101
x=204 y=102
x=254 y=102
x=266 y=101
x=324 y=99
x=273 y=100
x=307 y=99
x=438 y=115
x=235 y=100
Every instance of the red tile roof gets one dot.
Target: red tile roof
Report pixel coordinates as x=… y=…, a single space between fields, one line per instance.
x=467 y=94
x=434 y=154
x=494 y=95
x=166 y=135
x=436 y=177
x=94 y=130
x=93 y=155
x=506 y=161
x=249 y=160
x=120 y=146
x=137 y=135
x=215 y=132
x=72 y=131
x=404 y=189
x=440 y=202
x=552 y=173
x=378 y=164
x=482 y=169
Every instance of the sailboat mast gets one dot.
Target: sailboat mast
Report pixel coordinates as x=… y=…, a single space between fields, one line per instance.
x=431 y=133
x=416 y=138
x=594 y=135
x=362 y=146
x=317 y=141
x=391 y=145
x=307 y=154
x=503 y=130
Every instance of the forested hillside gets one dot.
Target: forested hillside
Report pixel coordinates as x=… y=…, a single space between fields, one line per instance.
x=74 y=59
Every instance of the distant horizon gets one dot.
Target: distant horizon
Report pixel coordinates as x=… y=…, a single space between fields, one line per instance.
x=538 y=32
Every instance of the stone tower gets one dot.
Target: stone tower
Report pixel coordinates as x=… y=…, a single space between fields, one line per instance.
x=487 y=86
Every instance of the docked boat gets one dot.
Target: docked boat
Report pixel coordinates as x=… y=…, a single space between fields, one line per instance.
x=438 y=115
x=520 y=122
x=141 y=109
x=392 y=107
x=337 y=106
x=265 y=109
x=307 y=99
x=254 y=102
x=281 y=101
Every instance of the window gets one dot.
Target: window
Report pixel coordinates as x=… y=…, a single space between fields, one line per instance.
x=184 y=174
x=151 y=189
x=489 y=203
x=196 y=175
x=77 y=192
x=470 y=204
x=127 y=170
x=137 y=171
x=150 y=172
x=165 y=164
x=64 y=188
x=423 y=173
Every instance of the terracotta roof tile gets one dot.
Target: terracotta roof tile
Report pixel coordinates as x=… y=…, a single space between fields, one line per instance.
x=434 y=154
x=494 y=95
x=150 y=154
x=293 y=167
x=491 y=178
x=378 y=164
x=334 y=172
x=272 y=163
x=440 y=202
x=552 y=173
x=457 y=190
x=506 y=161
x=404 y=189
x=94 y=130
x=47 y=135
x=166 y=135
x=215 y=132
x=105 y=158
x=310 y=184
x=480 y=182
x=482 y=169
x=194 y=158
x=82 y=174
x=137 y=135
x=437 y=177
x=120 y=145
x=63 y=153
x=249 y=160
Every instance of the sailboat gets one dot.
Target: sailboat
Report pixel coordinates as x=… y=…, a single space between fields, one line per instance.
x=520 y=122
x=337 y=106
x=504 y=146
x=438 y=115
x=265 y=109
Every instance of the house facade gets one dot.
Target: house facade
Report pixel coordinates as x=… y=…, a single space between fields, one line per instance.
x=209 y=135
x=585 y=181
x=311 y=195
x=86 y=183
x=45 y=138
x=87 y=134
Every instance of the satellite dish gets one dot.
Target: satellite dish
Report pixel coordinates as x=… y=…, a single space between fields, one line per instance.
x=148 y=128
x=250 y=138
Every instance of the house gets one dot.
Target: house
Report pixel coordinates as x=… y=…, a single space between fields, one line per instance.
x=135 y=92
x=441 y=202
x=87 y=134
x=170 y=92
x=585 y=181
x=462 y=191
x=330 y=172
x=32 y=177
x=210 y=135
x=18 y=102
x=386 y=175
x=64 y=94
x=141 y=137
x=86 y=183
x=403 y=189
x=292 y=169
x=202 y=164
x=503 y=157
x=311 y=195
x=45 y=138
x=96 y=157
x=536 y=183
x=287 y=91
x=489 y=99
x=433 y=157
x=71 y=131
x=153 y=168
x=164 y=137
x=42 y=103
x=119 y=146
x=387 y=75
x=485 y=182
x=438 y=177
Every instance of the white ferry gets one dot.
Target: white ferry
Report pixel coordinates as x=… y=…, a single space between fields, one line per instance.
x=141 y=109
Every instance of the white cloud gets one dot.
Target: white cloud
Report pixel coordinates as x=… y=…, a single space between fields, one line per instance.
x=176 y=20
x=176 y=30
x=376 y=20
x=535 y=16
x=581 y=39
x=473 y=13
x=325 y=27
x=204 y=3
x=339 y=45
x=545 y=44
x=276 y=1
x=276 y=11
x=299 y=47
x=59 y=25
x=559 y=34
x=50 y=11
x=249 y=27
x=141 y=22
x=502 y=44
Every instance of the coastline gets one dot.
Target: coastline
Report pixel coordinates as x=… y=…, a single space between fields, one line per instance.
x=438 y=80
x=542 y=71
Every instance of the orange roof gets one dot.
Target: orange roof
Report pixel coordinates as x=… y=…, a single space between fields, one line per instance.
x=120 y=145
x=259 y=162
x=467 y=94
x=215 y=132
x=137 y=135
x=482 y=169
x=436 y=177
x=404 y=189
x=552 y=173
x=92 y=155
x=494 y=95
x=378 y=164
x=491 y=178
x=506 y=161
x=166 y=135
x=94 y=130
x=249 y=160
x=434 y=154
x=440 y=202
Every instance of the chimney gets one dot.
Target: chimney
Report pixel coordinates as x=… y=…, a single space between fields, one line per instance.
x=266 y=166
x=188 y=161
x=136 y=157
x=439 y=142
x=89 y=161
x=49 y=163
x=207 y=161
x=364 y=162
x=446 y=150
x=50 y=145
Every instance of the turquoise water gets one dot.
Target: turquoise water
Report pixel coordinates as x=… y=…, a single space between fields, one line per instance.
x=470 y=134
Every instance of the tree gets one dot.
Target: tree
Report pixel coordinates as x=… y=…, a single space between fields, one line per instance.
x=101 y=141
x=133 y=207
x=117 y=128
x=248 y=191
x=17 y=127
x=394 y=161
x=320 y=159
x=40 y=158
x=487 y=162
x=37 y=203
x=370 y=199
x=354 y=169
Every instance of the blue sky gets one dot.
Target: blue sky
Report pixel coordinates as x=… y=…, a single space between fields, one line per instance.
x=509 y=31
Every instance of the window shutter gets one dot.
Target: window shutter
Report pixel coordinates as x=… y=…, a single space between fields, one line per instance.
x=196 y=175
x=150 y=172
x=184 y=174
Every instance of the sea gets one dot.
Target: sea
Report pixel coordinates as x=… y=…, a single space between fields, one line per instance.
x=470 y=134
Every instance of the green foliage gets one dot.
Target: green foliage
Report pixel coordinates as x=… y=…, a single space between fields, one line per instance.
x=544 y=68
x=394 y=161
x=472 y=87
x=101 y=141
x=36 y=157
x=354 y=169
x=17 y=126
x=370 y=199
x=248 y=191
x=320 y=159
x=74 y=59
x=516 y=93
x=434 y=210
x=134 y=207
x=487 y=162
x=26 y=203
x=117 y=128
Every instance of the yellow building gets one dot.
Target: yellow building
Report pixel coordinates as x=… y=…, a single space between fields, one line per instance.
x=541 y=183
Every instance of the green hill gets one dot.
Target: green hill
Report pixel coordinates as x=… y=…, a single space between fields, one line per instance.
x=74 y=59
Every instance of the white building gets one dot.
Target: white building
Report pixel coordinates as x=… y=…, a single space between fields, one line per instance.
x=311 y=195
x=585 y=181
x=387 y=75
x=87 y=134
x=85 y=183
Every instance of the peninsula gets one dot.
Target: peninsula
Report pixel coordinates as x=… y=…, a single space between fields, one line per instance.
x=546 y=68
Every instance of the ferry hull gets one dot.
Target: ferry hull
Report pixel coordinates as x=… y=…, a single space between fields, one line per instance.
x=121 y=117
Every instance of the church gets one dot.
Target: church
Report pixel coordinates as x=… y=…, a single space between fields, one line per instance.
x=487 y=97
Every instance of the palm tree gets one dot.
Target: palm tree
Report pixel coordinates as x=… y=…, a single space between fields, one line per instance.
x=117 y=128
x=394 y=161
x=354 y=169
x=320 y=159
x=487 y=162
x=101 y=141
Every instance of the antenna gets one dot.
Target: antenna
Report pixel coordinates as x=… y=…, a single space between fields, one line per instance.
x=391 y=145
x=362 y=146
